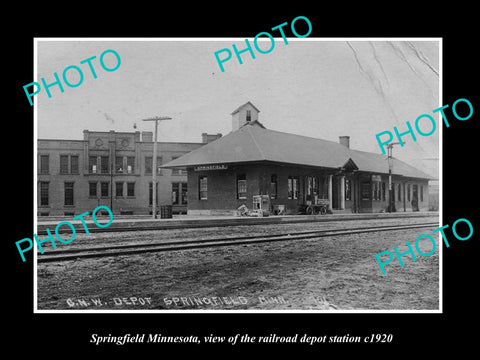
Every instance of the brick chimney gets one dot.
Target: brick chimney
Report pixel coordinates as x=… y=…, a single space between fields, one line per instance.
x=147 y=136
x=345 y=141
x=206 y=138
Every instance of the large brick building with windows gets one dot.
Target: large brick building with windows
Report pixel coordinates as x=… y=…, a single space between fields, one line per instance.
x=293 y=171
x=112 y=169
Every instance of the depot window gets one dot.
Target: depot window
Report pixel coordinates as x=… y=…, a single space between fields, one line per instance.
x=399 y=192
x=273 y=186
x=202 y=188
x=293 y=185
x=312 y=187
x=366 y=190
x=241 y=186
x=376 y=190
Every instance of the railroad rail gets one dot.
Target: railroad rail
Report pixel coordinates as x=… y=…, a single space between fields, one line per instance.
x=138 y=248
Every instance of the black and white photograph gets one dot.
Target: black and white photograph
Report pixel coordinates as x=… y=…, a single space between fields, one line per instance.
x=271 y=190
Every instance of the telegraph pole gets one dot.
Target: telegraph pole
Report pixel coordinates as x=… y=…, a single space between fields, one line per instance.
x=391 y=194
x=154 y=163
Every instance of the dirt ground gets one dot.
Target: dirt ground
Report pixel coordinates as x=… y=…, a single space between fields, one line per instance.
x=339 y=272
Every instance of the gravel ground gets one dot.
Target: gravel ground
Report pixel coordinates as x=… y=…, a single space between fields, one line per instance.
x=338 y=272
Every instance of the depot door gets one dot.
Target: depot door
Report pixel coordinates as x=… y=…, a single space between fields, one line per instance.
x=415 y=197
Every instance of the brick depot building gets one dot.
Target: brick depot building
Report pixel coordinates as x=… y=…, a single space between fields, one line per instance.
x=112 y=169
x=293 y=170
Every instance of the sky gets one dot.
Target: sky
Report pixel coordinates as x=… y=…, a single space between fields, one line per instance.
x=322 y=88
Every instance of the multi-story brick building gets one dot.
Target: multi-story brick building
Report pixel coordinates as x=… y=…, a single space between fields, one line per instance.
x=112 y=169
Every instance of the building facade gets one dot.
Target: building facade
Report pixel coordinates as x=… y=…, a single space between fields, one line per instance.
x=112 y=169
x=294 y=171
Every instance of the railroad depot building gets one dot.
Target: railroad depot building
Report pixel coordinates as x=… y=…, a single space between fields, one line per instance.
x=293 y=171
x=112 y=169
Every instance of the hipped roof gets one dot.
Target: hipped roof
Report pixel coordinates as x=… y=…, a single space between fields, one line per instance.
x=253 y=143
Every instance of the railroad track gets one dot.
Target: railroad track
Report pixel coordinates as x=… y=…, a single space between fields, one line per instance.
x=138 y=248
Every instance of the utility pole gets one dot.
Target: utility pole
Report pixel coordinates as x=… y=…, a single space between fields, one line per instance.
x=391 y=193
x=154 y=163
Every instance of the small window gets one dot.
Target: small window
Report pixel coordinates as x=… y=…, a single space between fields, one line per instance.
x=44 y=164
x=131 y=189
x=63 y=164
x=377 y=190
x=104 y=164
x=92 y=189
x=183 y=193
x=74 y=164
x=311 y=187
x=131 y=164
x=92 y=164
x=43 y=193
x=273 y=186
x=119 y=189
x=249 y=115
x=293 y=187
x=241 y=186
x=119 y=164
x=68 y=164
x=366 y=190
x=408 y=192
x=202 y=188
x=399 y=192
x=149 y=165
x=175 y=193
x=104 y=187
x=421 y=192
x=383 y=190
x=68 y=198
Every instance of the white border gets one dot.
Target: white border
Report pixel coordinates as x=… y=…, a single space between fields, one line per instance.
x=253 y=311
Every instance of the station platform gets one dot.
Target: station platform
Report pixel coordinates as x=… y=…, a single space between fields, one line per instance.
x=125 y=223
